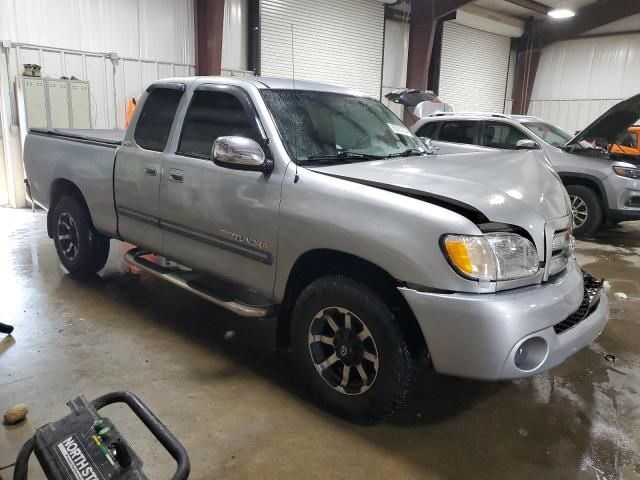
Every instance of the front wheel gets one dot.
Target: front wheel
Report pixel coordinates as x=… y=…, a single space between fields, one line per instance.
x=586 y=210
x=81 y=249
x=351 y=350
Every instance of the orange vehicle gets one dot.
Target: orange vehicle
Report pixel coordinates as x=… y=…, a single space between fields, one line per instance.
x=628 y=143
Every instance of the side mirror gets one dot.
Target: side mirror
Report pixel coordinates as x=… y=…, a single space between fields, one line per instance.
x=526 y=144
x=428 y=145
x=240 y=153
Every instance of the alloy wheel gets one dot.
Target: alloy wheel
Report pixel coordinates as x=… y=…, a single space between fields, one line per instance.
x=579 y=210
x=343 y=350
x=68 y=236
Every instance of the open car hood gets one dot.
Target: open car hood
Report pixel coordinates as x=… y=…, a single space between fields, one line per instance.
x=611 y=123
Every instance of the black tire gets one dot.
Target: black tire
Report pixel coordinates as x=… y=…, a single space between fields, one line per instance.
x=81 y=249
x=587 y=210
x=390 y=386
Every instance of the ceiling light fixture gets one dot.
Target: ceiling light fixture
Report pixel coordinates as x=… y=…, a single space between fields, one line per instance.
x=561 y=13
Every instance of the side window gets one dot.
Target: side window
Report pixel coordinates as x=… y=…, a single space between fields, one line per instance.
x=154 y=123
x=502 y=135
x=427 y=130
x=213 y=114
x=628 y=139
x=462 y=131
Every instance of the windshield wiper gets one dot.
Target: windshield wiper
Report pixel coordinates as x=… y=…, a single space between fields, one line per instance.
x=407 y=153
x=343 y=157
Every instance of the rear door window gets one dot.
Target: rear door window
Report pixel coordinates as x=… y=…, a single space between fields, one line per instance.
x=428 y=130
x=154 y=124
x=459 y=131
x=502 y=135
x=213 y=114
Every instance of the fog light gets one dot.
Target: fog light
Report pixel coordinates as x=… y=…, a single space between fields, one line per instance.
x=531 y=353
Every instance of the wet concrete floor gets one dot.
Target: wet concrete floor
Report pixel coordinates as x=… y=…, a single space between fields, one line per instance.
x=240 y=412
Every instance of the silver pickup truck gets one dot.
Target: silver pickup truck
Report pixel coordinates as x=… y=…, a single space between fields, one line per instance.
x=315 y=209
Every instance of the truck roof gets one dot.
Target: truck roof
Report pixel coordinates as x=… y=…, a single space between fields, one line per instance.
x=264 y=83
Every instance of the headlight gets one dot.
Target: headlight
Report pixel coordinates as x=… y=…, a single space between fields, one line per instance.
x=628 y=172
x=493 y=256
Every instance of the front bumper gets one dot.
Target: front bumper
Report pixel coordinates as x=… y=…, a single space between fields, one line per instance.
x=624 y=198
x=478 y=335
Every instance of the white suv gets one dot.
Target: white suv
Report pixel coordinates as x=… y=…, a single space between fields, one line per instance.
x=603 y=187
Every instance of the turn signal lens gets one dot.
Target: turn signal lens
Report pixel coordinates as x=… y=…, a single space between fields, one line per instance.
x=459 y=256
x=471 y=255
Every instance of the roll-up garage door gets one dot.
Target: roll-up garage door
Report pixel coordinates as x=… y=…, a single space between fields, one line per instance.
x=334 y=41
x=473 y=69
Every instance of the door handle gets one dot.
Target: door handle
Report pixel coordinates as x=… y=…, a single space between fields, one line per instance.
x=150 y=169
x=176 y=175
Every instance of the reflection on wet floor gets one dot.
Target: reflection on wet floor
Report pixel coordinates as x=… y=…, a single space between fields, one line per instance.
x=240 y=411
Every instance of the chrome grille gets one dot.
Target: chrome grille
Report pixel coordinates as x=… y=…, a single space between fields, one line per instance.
x=590 y=301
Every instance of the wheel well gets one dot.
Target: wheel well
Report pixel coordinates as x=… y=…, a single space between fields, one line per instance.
x=63 y=188
x=318 y=263
x=586 y=182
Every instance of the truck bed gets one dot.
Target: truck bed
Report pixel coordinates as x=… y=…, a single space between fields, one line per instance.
x=56 y=158
x=114 y=137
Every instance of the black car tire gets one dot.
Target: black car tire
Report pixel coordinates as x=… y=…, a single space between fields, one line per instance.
x=585 y=197
x=81 y=249
x=399 y=361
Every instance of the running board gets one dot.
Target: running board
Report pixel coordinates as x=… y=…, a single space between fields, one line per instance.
x=187 y=279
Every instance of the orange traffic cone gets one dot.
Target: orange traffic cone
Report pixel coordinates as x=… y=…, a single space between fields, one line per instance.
x=131 y=107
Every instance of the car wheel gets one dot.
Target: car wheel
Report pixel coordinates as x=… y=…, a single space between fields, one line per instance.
x=351 y=350
x=586 y=210
x=81 y=249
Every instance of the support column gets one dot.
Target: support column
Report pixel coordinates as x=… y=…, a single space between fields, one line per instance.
x=525 y=74
x=209 y=27
x=421 y=35
x=424 y=22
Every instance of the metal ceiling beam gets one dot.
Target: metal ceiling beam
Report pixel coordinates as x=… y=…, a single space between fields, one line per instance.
x=442 y=8
x=532 y=5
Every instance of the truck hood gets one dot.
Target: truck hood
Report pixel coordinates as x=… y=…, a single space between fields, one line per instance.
x=513 y=187
x=611 y=123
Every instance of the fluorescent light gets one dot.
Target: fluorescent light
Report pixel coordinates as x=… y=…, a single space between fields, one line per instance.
x=561 y=13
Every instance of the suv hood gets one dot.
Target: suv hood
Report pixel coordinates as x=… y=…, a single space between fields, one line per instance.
x=512 y=187
x=611 y=123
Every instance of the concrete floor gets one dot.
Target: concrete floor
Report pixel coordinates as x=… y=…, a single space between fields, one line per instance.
x=240 y=413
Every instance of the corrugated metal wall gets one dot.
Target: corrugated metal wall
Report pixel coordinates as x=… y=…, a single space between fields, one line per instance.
x=335 y=42
x=152 y=38
x=148 y=29
x=474 y=67
x=578 y=80
x=112 y=83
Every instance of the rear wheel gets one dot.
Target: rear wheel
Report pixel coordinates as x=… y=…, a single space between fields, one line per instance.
x=350 y=349
x=81 y=249
x=586 y=210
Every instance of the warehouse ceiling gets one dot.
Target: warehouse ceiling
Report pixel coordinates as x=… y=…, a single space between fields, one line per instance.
x=514 y=9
